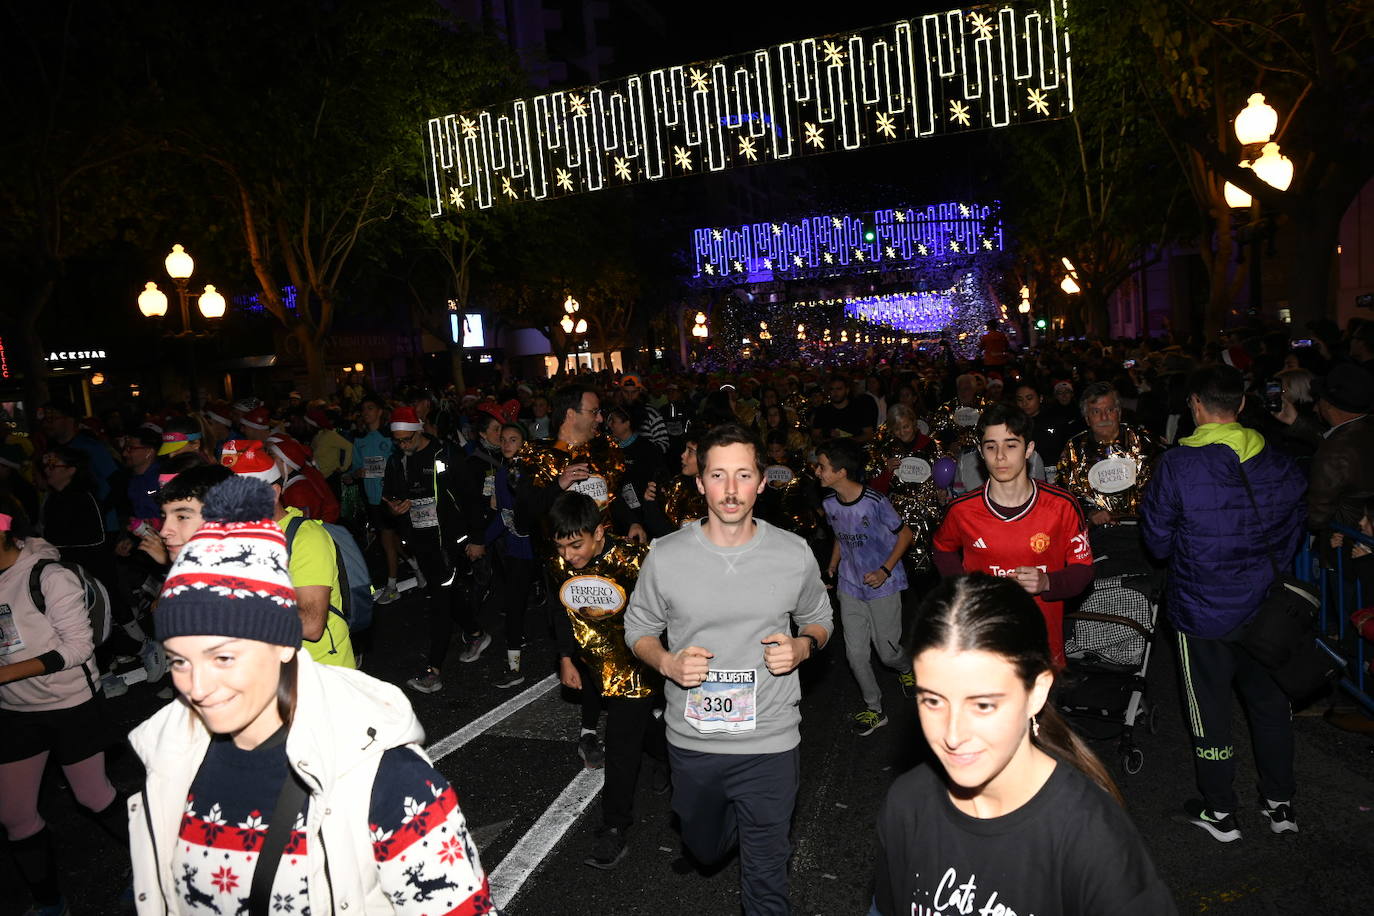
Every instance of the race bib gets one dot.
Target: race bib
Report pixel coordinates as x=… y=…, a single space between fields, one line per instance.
x=489 y=484
x=967 y=416
x=424 y=513
x=508 y=519
x=594 y=596
x=1112 y=475
x=628 y=494
x=778 y=474
x=724 y=702
x=913 y=470
x=374 y=466
x=10 y=640
x=595 y=487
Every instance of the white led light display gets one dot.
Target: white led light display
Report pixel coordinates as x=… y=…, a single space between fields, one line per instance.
x=942 y=73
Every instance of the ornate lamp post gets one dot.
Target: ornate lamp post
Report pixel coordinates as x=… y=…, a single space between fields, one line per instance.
x=152 y=302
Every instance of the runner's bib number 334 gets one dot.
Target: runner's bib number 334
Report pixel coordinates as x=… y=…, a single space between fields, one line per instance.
x=724 y=702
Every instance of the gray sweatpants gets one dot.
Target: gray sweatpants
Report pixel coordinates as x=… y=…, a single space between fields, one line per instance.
x=872 y=625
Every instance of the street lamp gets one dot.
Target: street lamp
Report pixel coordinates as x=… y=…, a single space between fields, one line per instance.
x=1070 y=282
x=699 y=326
x=152 y=302
x=1256 y=122
x=1255 y=125
x=1274 y=168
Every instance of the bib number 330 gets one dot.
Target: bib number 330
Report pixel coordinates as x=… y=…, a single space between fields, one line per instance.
x=724 y=702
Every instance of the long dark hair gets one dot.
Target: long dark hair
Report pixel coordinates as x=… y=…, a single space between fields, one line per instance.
x=286 y=690
x=982 y=613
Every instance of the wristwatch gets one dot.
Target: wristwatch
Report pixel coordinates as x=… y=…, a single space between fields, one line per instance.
x=815 y=643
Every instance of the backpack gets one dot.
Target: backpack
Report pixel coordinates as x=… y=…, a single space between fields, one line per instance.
x=95 y=599
x=355 y=581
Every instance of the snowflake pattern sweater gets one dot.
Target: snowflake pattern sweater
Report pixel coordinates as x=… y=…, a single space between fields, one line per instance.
x=426 y=862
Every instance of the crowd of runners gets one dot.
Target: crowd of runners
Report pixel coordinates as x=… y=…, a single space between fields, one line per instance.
x=687 y=541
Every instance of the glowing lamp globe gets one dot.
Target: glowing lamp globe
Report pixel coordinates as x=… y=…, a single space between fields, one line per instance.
x=152 y=302
x=357 y=367
x=581 y=326
x=179 y=263
x=1236 y=198
x=1069 y=286
x=211 y=303
x=1274 y=168
x=566 y=324
x=1257 y=121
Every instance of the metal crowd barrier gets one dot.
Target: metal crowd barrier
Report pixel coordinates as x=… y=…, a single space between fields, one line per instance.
x=1340 y=598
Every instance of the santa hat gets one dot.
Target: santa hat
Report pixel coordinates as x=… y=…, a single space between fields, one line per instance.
x=403 y=419
x=318 y=418
x=231 y=578
x=506 y=412
x=292 y=454
x=250 y=458
x=218 y=412
x=257 y=419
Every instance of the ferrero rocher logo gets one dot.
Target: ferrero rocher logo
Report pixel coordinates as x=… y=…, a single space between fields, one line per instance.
x=594 y=595
x=1040 y=542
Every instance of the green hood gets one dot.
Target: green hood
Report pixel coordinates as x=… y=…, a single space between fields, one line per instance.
x=1243 y=441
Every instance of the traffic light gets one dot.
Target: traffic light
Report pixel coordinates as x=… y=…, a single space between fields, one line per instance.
x=1041 y=324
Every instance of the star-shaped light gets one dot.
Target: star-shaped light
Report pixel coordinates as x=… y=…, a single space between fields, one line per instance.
x=858 y=254
x=981 y=24
x=836 y=222
x=739 y=268
x=834 y=54
x=796 y=259
x=815 y=136
x=746 y=148
x=964 y=210
x=455 y=197
x=958 y=111
x=577 y=104
x=717 y=234
x=987 y=244
x=767 y=263
x=506 y=188
x=923 y=248
x=777 y=230
x=886 y=127
x=1038 y=102
x=699 y=79
x=682 y=158
x=468 y=126
x=564 y=178
x=829 y=258
x=622 y=168
x=890 y=251
x=900 y=215
x=710 y=268
x=953 y=244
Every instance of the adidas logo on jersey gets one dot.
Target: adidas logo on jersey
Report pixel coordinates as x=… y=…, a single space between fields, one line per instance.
x=980 y=543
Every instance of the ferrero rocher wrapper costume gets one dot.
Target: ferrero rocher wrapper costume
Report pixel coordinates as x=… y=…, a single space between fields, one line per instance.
x=795 y=495
x=544 y=460
x=599 y=628
x=944 y=420
x=682 y=502
x=1083 y=452
x=918 y=504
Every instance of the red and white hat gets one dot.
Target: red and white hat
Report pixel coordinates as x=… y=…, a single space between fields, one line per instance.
x=218 y=411
x=257 y=419
x=317 y=418
x=403 y=419
x=250 y=458
x=292 y=454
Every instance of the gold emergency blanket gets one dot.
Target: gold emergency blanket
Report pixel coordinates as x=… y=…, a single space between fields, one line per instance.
x=912 y=491
x=681 y=500
x=794 y=484
x=594 y=598
x=1109 y=475
x=960 y=420
x=544 y=461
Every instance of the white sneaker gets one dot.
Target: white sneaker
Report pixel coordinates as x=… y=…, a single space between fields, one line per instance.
x=385 y=595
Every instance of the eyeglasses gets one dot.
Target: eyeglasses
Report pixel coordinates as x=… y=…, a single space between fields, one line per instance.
x=596 y=412
x=405 y=440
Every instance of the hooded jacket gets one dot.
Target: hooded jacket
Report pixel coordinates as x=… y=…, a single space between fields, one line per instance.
x=344 y=722
x=1195 y=512
x=61 y=636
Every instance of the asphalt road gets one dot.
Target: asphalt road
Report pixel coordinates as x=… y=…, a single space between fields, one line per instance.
x=521 y=783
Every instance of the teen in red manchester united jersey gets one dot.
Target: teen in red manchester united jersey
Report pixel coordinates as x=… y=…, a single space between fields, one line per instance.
x=1016 y=527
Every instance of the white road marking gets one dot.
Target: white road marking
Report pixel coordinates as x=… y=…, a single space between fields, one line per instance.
x=532 y=848
x=445 y=746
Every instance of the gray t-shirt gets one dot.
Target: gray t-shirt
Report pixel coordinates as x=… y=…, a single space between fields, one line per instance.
x=726 y=600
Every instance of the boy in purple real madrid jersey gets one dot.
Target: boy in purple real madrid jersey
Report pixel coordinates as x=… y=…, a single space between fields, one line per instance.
x=870 y=538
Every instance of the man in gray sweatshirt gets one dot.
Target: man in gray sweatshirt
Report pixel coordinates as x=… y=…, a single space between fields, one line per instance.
x=726 y=590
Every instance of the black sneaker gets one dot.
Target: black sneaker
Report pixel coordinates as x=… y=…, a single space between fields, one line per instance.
x=1280 y=817
x=512 y=678
x=608 y=848
x=867 y=722
x=590 y=750
x=1222 y=827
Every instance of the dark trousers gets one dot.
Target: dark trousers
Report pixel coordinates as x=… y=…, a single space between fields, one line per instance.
x=1209 y=667
x=514 y=579
x=449 y=602
x=745 y=799
x=631 y=729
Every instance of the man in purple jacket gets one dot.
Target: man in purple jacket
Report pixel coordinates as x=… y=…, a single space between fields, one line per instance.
x=1196 y=513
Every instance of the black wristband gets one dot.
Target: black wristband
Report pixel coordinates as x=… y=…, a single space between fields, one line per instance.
x=886 y=570
x=815 y=643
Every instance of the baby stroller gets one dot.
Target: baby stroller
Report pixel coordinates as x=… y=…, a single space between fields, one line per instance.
x=1107 y=642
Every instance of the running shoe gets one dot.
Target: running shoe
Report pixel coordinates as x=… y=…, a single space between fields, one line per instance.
x=385 y=595
x=512 y=678
x=867 y=722
x=590 y=750
x=1280 y=817
x=474 y=646
x=429 y=682
x=1222 y=827
x=608 y=848
x=908 y=682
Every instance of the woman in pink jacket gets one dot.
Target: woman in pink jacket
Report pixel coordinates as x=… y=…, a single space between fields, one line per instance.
x=49 y=705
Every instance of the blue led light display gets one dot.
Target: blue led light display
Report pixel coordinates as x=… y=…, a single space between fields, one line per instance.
x=253 y=303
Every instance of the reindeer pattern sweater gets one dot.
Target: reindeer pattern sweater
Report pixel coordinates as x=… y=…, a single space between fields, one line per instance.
x=419 y=839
